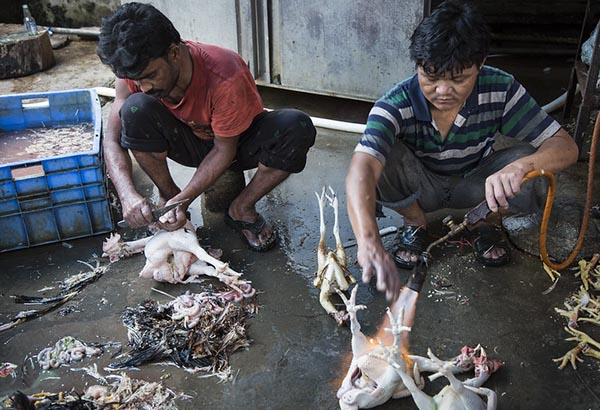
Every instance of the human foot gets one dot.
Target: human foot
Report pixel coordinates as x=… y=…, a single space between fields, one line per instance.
x=408 y=245
x=257 y=233
x=490 y=247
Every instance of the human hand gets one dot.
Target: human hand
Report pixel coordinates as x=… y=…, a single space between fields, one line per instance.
x=504 y=185
x=175 y=218
x=374 y=260
x=137 y=211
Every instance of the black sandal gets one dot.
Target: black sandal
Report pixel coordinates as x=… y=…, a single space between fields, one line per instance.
x=485 y=238
x=411 y=239
x=256 y=228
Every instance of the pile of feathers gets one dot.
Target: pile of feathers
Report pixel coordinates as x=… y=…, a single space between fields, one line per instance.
x=197 y=331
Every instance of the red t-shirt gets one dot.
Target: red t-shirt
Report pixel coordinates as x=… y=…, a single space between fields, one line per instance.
x=222 y=98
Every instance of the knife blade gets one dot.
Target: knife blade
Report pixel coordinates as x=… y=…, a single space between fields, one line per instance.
x=157 y=213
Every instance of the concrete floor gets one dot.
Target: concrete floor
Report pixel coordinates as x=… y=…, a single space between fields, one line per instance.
x=298 y=354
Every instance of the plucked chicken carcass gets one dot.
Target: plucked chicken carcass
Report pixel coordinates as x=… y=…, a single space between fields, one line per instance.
x=332 y=273
x=369 y=381
x=176 y=257
x=373 y=378
x=457 y=395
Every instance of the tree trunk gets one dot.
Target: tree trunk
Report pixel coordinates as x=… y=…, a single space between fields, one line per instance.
x=22 y=54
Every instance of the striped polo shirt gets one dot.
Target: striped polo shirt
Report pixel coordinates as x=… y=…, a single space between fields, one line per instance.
x=497 y=105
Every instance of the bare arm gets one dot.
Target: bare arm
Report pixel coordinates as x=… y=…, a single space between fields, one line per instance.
x=210 y=169
x=555 y=154
x=361 y=181
x=136 y=210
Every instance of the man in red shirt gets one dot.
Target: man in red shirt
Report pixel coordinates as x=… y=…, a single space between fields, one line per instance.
x=198 y=105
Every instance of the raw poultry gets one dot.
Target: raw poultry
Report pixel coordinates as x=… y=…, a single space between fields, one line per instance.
x=458 y=395
x=373 y=378
x=176 y=257
x=370 y=382
x=332 y=272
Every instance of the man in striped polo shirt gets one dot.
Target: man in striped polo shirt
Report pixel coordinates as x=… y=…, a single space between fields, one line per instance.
x=429 y=145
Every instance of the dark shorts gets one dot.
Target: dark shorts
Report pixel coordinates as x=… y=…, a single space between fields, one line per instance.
x=278 y=139
x=405 y=180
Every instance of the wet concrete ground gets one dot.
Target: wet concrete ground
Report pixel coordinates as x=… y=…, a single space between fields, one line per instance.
x=298 y=354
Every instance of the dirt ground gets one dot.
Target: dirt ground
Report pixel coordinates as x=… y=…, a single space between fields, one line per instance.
x=298 y=354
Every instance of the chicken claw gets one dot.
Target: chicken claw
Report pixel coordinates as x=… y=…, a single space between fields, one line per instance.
x=586 y=269
x=396 y=322
x=588 y=351
x=571 y=356
x=350 y=303
x=582 y=337
x=572 y=314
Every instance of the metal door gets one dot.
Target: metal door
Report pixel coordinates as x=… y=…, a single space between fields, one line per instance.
x=356 y=49
x=346 y=48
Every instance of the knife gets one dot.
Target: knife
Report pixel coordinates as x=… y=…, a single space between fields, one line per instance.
x=157 y=213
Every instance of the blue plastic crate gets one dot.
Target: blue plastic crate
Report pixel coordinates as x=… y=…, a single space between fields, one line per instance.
x=60 y=197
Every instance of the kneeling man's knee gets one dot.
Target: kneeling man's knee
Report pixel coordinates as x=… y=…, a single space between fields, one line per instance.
x=299 y=136
x=138 y=105
x=304 y=131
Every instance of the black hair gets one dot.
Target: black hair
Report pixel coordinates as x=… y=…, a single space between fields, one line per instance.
x=452 y=38
x=135 y=34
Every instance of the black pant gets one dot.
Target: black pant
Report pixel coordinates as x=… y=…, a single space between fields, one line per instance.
x=278 y=139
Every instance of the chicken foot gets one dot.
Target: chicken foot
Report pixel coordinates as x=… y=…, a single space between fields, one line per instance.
x=583 y=346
